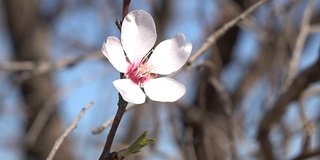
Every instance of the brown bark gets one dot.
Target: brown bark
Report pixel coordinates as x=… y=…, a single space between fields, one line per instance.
x=30 y=39
x=213 y=126
x=303 y=80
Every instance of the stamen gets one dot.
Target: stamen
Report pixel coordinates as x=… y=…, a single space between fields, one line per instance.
x=140 y=71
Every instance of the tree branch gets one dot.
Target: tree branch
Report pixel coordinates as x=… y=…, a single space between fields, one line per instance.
x=296 y=54
x=109 y=121
x=217 y=34
x=274 y=115
x=122 y=104
x=308 y=155
x=37 y=68
x=60 y=140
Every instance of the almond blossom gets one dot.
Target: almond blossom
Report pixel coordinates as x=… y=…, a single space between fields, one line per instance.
x=134 y=57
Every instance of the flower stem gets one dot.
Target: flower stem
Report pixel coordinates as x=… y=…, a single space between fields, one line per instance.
x=122 y=104
x=125 y=8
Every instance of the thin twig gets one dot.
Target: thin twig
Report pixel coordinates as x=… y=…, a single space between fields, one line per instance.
x=105 y=155
x=109 y=121
x=60 y=140
x=228 y=111
x=314 y=28
x=48 y=107
x=42 y=67
x=291 y=89
x=296 y=54
x=228 y=105
x=42 y=118
x=217 y=34
x=308 y=127
x=122 y=104
x=307 y=124
x=308 y=155
x=125 y=8
x=305 y=78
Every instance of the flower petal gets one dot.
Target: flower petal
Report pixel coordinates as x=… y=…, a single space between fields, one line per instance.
x=170 y=55
x=164 y=89
x=113 y=50
x=129 y=91
x=138 y=34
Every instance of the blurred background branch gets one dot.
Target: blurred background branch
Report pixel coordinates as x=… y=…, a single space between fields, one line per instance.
x=251 y=82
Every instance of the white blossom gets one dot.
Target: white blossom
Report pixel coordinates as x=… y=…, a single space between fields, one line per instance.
x=134 y=57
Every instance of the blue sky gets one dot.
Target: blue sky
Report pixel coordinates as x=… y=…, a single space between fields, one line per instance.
x=92 y=80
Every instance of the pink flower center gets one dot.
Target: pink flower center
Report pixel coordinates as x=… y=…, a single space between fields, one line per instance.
x=139 y=73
